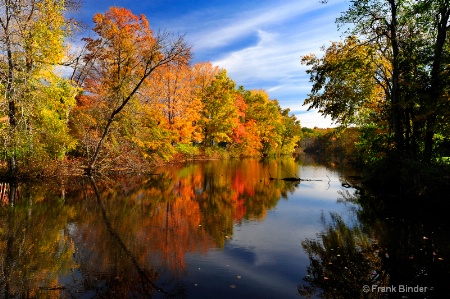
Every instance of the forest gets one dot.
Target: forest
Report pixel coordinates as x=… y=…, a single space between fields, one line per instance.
x=125 y=99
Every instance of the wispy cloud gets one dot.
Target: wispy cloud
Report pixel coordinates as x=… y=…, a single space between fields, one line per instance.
x=277 y=53
x=227 y=28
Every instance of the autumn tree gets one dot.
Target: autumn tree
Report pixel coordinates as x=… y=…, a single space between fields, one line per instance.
x=245 y=137
x=291 y=132
x=170 y=108
x=171 y=91
x=219 y=115
x=204 y=73
x=348 y=82
x=412 y=37
x=36 y=102
x=119 y=61
x=267 y=117
x=378 y=22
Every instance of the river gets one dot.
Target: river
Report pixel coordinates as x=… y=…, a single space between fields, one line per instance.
x=218 y=229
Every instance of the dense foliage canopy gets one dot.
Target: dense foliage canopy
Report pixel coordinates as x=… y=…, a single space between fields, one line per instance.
x=134 y=96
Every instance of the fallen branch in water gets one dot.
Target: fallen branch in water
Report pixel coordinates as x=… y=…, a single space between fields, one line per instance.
x=291 y=179
x=294 y=179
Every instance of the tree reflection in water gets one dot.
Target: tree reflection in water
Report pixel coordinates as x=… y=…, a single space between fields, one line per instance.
x=342 y=262
x=34 y=245
x=127 y=237
x=395 y=244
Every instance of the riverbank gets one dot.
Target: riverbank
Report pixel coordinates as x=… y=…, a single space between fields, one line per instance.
x=72 y=166
x=406 y=179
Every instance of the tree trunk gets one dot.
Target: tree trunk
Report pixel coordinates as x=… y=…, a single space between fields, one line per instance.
x=396 y=111
x=12 y=163
x=436 y=82
x=93 y=160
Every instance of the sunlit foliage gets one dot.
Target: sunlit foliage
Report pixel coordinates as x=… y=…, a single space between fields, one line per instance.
x=36 y=101
x=133 y=98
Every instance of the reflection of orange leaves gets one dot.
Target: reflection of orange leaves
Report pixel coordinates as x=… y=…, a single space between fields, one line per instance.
x=174 y=229
x=250 y=190
x=238 y=182
x=187 y=213
x=244 y=181
x=240 y=186
x=187 y=208
x=183 y=188
x=153 y=221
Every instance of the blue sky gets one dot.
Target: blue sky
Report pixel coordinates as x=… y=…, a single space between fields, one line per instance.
x=258 y=42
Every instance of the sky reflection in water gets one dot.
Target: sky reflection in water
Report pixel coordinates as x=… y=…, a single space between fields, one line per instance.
x=264 y=258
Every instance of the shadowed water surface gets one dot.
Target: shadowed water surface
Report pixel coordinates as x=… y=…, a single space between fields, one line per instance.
x=216 y=229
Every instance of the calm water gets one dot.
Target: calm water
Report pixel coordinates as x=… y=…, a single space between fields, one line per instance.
x=218 y=229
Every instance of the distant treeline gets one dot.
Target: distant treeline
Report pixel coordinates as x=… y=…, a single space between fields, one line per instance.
x=350 y=145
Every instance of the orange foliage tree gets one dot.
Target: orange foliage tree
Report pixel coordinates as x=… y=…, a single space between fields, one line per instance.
x=118 y=63
x=172 y=97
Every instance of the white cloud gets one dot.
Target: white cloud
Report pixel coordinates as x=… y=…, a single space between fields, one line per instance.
x=313 y=119
x=276 y=56
x=225 y=27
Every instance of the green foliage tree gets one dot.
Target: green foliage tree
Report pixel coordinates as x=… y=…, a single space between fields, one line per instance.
x=36 y=101
x=291 y=132
x=219 y=112
x=346 y=85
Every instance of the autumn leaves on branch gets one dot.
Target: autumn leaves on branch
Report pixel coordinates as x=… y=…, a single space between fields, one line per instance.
x=133 y=96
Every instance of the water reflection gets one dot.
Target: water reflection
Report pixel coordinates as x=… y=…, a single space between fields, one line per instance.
x=126 y=237
x=215 y=229
x=8 y=193
x=34 y=245
x=342 y=261
x=398 y=249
